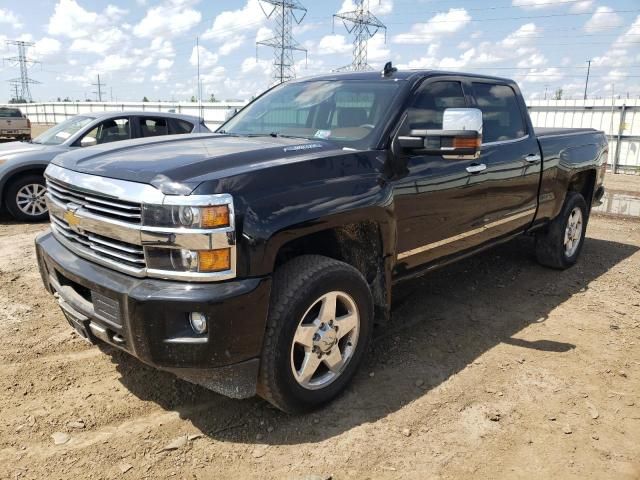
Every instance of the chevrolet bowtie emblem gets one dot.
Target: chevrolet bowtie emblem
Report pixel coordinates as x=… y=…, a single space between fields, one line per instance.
x=72 y=219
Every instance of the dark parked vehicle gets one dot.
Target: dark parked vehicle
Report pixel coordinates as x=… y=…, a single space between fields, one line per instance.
x=259 y=259
x=22 y=163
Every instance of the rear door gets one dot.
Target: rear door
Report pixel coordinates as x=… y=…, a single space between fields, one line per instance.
x=511 y=154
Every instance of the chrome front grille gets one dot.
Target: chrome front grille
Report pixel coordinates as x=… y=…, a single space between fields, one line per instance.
x=96 y=203
x=103 y=247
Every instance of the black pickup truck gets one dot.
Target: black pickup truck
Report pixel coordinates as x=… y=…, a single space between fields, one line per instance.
x=259 y=258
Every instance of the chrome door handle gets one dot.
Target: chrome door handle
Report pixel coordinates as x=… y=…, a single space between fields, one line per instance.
x=533 y=158
x=476 y=168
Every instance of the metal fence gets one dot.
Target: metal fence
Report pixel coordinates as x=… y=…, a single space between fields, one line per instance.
x=619 y=119
x=214 y=113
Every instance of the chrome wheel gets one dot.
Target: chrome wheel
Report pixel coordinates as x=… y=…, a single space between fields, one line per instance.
x=573 y=232
x=325 y=340
x=30 y=199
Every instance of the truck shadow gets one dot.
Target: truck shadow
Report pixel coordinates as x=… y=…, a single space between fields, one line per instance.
x=442 y=323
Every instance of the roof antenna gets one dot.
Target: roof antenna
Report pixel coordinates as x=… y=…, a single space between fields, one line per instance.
x=388 y=69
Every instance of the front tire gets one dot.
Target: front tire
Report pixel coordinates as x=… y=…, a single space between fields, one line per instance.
x=318 y=331
x=559 y=246
x=25 y=198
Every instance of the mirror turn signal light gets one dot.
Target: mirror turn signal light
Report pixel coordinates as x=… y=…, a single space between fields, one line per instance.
x=215 y=217
x=214 y=260
x=467 y=142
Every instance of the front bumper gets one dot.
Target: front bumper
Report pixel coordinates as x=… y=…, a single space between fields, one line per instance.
x=149 y=318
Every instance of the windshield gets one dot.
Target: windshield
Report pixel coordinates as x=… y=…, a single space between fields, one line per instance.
x=343 y=111
x=61 y=132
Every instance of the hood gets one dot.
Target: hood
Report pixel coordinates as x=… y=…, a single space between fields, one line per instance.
x=176 y=165
x=12 y=150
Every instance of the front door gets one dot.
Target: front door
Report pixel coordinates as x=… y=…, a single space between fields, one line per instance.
x=439 y=203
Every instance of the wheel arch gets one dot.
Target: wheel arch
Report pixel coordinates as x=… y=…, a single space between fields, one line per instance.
x=16 y=173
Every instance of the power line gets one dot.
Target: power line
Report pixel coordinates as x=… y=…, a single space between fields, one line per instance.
x=363 y=25
x=23 y=61
x=284 y=13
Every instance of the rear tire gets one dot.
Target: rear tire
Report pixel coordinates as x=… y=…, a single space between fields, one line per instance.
x=318 y=330
x=559 y=246
x=25 y=198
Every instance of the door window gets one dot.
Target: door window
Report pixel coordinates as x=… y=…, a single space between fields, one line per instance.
x=153 y=127
x=180 y=127
x=430 y=102
x=501 y=114
x=112 y=130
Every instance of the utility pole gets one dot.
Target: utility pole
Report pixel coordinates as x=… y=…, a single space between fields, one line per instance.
x=199 y=83
x=15 y=96
x=99 y=91
x=23 y=61
x=363 y=25
x=284 y=13
x=586 y=85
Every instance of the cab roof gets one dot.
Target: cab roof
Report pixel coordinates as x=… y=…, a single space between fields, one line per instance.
x=406 y=75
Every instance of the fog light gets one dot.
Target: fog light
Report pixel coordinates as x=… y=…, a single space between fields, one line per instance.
x=198 y=322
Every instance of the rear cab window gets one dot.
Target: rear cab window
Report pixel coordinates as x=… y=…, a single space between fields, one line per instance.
x=502 y=116
x=10 y=113
x=179 y=127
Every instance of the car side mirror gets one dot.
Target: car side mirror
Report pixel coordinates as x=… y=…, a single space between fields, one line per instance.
x=88 y=142
x=460 y=137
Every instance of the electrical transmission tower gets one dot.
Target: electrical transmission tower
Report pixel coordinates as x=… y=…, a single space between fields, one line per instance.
x=24 y=81
x=363 y=25
x=284 y=13
x=99 y=91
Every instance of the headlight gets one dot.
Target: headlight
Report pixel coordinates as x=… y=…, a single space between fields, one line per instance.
x=186 y=216
x=181 y=260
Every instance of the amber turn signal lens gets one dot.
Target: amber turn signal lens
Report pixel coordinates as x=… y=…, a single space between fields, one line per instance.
x=466 y=142
x=214 y=260
x=214 y=217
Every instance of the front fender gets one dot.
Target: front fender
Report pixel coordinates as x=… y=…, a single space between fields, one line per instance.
x=12 y=168
x=271 y=222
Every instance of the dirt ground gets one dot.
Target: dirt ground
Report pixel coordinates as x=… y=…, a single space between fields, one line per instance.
x=494 y=368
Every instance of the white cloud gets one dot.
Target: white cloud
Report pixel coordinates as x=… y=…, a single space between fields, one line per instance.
x=604 y=18
x=522 y=36
x=377 y=50
x=231 y=44
x=71 y=20
x=437 y=26
x=170 y=18
x=234 y=22
x=333 y=44
x=207 y=58
x=252 y=65
x=380 y=7
x=100 y=42
x=160 y=77
x=581 y=7
x=165 y=64
x=46 y=47
x=535 y=60
x=10 y=18
x=548 y=75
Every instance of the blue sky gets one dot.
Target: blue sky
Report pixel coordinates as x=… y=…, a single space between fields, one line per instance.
x=146 y=47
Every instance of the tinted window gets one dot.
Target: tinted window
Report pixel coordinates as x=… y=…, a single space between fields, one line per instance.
x=10 y=113
x=431 y=101
x=153 y=127
x=501 y=115
x=112 y=130
x=180 y=126
x=61 y=132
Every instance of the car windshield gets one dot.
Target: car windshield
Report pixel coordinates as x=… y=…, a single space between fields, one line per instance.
x=346 y=112
x=63 y=131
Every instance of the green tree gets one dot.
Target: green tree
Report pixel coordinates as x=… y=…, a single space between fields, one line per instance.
x=557 y=95
x=212 y=98
x=145 y=99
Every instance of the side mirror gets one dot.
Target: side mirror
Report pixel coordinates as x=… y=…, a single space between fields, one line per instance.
x=460 y=137
x=88 y=142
